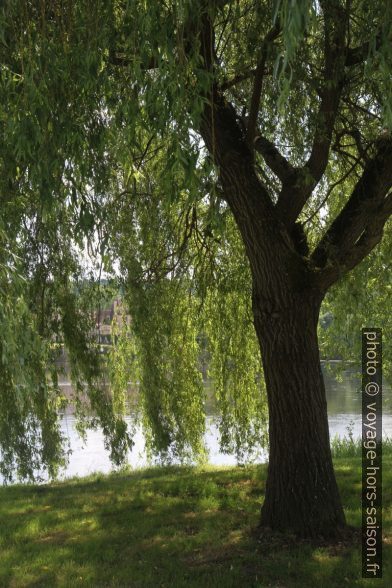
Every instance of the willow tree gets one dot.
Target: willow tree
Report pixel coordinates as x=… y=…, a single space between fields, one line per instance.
x=150 y=127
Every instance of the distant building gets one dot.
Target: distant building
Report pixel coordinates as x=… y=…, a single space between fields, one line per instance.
x=106 y=317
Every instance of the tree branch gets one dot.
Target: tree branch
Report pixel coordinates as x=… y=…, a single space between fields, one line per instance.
x=240 y=77
x=360 y=222
x=293 y=197
x=330 y=190
x=258 y=84
x=357 y=55
x=371 y=236
x=274 y=159
x=225 y=140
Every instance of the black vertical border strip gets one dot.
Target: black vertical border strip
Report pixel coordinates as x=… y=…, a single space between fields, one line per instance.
x=371 y=404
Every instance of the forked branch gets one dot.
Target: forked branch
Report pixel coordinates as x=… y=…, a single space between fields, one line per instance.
x=358 y=227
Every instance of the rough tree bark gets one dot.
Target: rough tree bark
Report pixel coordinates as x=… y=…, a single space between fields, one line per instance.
x=301 y=491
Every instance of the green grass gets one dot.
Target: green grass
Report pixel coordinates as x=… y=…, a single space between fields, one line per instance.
x=171 y=527
x=348 y=446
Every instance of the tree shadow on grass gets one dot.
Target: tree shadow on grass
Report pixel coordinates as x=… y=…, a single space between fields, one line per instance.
x=171 y=527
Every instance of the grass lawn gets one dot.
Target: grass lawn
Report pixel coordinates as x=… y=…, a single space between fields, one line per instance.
x=171 y=527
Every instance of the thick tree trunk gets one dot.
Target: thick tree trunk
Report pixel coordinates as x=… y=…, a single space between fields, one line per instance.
x=301 y=492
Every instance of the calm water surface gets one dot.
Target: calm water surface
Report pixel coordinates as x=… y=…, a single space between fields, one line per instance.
x=344 y=410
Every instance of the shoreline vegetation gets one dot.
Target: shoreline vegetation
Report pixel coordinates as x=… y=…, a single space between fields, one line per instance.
x=175 y=526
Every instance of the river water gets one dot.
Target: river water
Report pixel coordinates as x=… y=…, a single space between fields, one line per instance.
x=344 y=410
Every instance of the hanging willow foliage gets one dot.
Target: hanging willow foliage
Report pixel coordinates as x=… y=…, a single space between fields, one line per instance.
x=100 y=105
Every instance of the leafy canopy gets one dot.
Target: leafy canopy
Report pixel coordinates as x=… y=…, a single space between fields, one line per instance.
x=101 y=152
